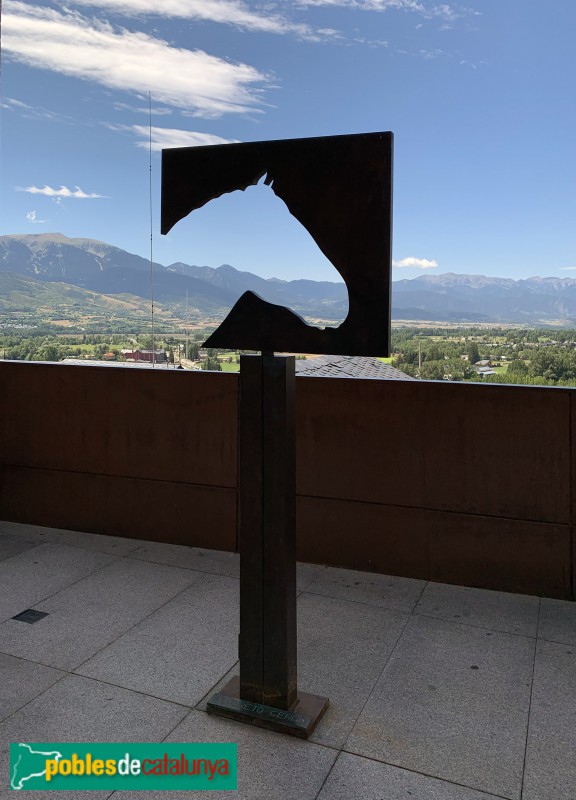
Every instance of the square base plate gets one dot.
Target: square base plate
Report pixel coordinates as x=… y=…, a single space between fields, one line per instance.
x=298 y=721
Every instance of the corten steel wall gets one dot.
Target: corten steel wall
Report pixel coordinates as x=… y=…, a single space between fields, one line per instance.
x=148 y=453
x=459 y=483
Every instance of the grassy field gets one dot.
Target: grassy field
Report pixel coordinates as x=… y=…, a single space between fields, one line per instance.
x=229 y=367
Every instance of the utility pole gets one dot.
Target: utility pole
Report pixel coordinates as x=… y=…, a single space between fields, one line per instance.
x=187 y=329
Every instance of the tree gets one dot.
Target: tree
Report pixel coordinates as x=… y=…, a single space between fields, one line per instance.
x=212 y=363
x=407 y=355
x=459 y=370
x=433 y=370
x=433 y=354
x=473 y=354
x=99 y=350
x=48 y=352
x=409 y=369
x=517 y=368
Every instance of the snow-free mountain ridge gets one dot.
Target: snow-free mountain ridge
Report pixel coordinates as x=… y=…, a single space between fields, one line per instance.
x=102 y=268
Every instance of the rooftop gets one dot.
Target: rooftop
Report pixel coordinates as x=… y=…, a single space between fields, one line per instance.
x=349 y=367
x=437 y=692
x=93 y=362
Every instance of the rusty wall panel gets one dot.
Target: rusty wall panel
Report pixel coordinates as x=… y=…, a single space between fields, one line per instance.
x=573 y=486
x=199 y=516
x=493 y=450
x=458 y=483
x=160 y=424
x=573 y=454
x=503 y=554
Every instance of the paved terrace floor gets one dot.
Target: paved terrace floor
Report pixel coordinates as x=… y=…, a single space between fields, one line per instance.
x=437 y=692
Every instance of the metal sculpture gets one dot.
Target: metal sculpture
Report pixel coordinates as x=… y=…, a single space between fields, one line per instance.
x=339 y=188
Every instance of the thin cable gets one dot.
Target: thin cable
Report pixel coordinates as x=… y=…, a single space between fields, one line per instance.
x=151 y=232
x=1 y=112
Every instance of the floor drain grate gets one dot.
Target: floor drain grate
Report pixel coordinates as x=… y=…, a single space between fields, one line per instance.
x=30 y=616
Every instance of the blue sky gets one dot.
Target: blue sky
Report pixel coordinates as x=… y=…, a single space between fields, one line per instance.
x=480 y=97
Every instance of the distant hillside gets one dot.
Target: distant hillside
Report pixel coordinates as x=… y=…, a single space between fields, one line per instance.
x=477 y=297
x=25 y=300
x=104 y=269
x=108 y=271
x=315 y=298
x=53 y=256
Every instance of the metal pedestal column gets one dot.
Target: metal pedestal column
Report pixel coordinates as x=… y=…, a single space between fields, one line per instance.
x=266 y=692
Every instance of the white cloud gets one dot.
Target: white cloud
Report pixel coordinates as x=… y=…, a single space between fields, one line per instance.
x=11 y=102
x=229 y=12
x=173 y=137
x=442 y=11
x=568 y=268
x=33 y=112
x=63 y=191
x=367 y=5
x=421 y=263
x=73 y=45
x=437 y=53
x=157 y=111
x=31 y=217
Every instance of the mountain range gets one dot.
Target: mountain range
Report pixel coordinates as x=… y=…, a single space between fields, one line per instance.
x=101 y=268
x=86 y=270
x=459 y=298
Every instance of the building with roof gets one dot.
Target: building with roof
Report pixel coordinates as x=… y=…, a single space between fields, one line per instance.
x=94 y=362
x=349 y=367
x=155 y=356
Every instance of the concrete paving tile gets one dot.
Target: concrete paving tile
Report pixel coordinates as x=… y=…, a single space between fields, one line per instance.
x=217 y=562
x=453 y=703
x=550 y=764
x=306 y=574
x=342 y=649
x=355 y=778
x=13 y=545
x=386 y=591
x=19 y=529
x=93 y=612
x=499 y=611
x=115 y=545
x=182 y=650
x=270 y=765
x=235 y=670
x=21 y=681
x=81 y=710
x=30 y=577
x=557 y=621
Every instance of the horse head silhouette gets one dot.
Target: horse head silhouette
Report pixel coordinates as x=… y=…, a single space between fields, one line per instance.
x=340 y=189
